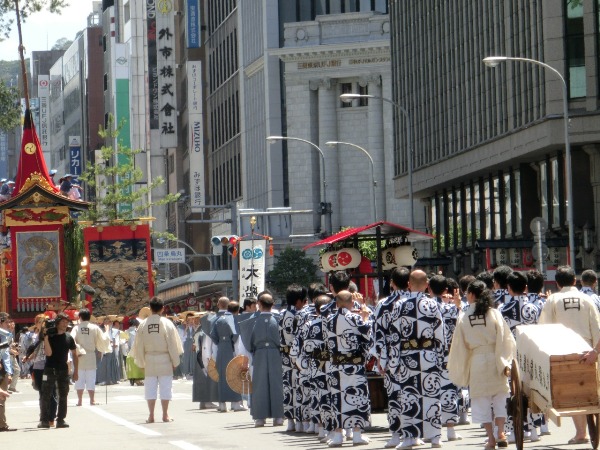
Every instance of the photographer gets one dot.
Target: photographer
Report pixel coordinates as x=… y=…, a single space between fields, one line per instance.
x=5 y=368
x=37 y=356
x=57 y=344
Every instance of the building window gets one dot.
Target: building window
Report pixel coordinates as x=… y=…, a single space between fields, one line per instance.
x=516 y=198
x=105 y=81
x=126 y=12
x=508 y=204
x=555 y=193
x=544 y=189
x=363 y=90
x=575 y=48
x=346 y=89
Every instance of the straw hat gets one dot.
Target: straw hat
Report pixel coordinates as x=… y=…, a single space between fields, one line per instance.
x=144 y=313
x=238 y=377
x=212 y=370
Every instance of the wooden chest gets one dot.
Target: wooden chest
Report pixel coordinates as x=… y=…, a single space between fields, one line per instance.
x=548 y=357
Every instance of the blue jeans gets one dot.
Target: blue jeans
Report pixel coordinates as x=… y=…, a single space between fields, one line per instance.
x=54 y=378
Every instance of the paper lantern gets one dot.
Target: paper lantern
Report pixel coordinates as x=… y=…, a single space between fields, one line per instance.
x=346 y=258
x=388 y=259
x=405 y=255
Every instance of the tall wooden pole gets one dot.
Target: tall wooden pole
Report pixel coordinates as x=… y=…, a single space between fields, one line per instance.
x=22 y=56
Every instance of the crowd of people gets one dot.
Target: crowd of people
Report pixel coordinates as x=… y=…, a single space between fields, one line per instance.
x=442 y=348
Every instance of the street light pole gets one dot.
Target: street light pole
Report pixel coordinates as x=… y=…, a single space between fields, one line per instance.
x=409 y=150
x=493 y=61
x=273 y=139
x=332 y=143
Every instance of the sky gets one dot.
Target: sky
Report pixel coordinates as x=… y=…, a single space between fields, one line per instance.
x=43 y=29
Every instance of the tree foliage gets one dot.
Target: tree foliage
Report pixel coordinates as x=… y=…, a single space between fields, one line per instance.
x=10 y=107
x=26 y=7
x=292 y=266
x=62 y=44
x=116 y=180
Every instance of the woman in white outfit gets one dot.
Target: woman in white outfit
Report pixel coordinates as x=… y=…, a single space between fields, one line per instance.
x=480 y=356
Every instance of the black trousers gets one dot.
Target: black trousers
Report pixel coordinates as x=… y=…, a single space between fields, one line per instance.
x=59 y=378
x=38 y=375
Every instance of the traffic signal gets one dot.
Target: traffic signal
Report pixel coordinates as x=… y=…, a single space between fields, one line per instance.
x=220 y=242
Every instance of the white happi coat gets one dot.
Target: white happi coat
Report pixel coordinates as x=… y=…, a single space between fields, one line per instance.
x=481 y=348
x=90 y=338
x=576 y=311
x=157 y=346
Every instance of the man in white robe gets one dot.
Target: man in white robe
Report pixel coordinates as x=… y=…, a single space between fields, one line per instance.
x=576 y=311
x=157 y=349
x=89 y=338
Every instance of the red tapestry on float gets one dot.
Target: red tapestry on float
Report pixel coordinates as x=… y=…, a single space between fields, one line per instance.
x=120 y=268
x=38 y=264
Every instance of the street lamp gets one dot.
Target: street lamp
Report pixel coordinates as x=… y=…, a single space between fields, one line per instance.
x=273 y=139
x=493 y=61
x=332 y=143
x=409 y=150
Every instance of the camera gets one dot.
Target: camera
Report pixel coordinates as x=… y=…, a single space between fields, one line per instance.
x=50 y=327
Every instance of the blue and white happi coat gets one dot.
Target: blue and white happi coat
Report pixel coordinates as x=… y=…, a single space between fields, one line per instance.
x=302 y=398
x=311 y=342
x=450 y=392
x=349 y=405
x=419 y=371
x=287 y=333
x=520 y=310
x=386 y=335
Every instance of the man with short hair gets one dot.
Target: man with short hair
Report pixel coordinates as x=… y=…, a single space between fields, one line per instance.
x=589 y=280
x=419 y=345
x=438 y=287
x=90 y=339
x=349 y=338
x=313 y=359
x=576 y=311
x=157 y=349
x=535 y=286
x=500 y=275
x=381 y=334
x=57 y=346
x=295 y=297
x=267 y=375
x=518 y=310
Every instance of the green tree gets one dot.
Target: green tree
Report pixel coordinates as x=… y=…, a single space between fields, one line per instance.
x=116 y=181
x=10 y=107
x=292 y=266
x=62 y=44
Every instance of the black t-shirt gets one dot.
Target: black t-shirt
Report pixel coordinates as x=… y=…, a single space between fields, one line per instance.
x=60 y=345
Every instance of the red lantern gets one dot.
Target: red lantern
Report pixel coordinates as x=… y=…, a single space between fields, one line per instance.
x=208 y=304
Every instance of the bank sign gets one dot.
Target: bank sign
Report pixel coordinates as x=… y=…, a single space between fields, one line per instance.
x=196 y=135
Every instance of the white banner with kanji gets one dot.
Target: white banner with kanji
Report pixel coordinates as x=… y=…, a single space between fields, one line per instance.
x=252 y=268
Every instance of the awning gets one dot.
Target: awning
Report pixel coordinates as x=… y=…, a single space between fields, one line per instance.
x=190 y=284
x=388 y=230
